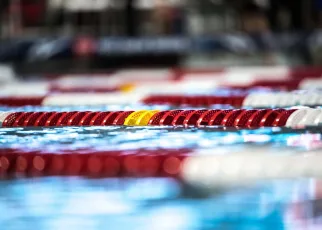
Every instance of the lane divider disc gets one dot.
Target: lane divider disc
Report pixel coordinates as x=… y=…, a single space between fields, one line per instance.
x=75 y=119
x=42 y=119
x=86 y=120
x=318 y=120
x=193 y=117
x=281 y=119
x=168 y=118
x=63 y=120
x=248 y=101
x=179 y=119
x=10 y=119
x=230 y=118
x=217 y=118
x=140 y=118
x=29 y=121
x=205 y=117
x=243 y=117
x=134 y=118
x=310 y=117
x=120 y=119
x=3 y=117
x=21 y=119
x=126 y=88
x=52 y=120
x=156 y=118
x=256 y=118
x=99 y=118
x=109 y=119
x=296 y=117
x=269 y=118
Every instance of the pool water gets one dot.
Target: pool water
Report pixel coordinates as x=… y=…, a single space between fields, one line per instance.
x=78 y=202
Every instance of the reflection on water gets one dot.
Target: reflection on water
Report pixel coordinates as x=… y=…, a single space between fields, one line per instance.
x=74 y=203
x=105 y=138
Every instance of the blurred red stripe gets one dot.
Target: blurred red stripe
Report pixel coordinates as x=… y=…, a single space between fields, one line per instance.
x=91 y=163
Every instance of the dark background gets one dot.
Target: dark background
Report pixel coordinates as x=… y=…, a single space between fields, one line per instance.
x=37 y=36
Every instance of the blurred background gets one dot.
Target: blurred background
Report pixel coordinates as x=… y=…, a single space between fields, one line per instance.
x=40 y=36
x=53 y=37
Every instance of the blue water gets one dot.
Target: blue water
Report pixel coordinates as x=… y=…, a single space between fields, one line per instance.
x=74 y=203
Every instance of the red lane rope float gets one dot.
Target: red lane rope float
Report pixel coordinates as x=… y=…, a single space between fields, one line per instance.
x=255 y=120
x=179 y=119
x=63 y=120
x=269 y=118
x=21 y=101
x=53 y=119
x=168 y=117
x=291 y=84
x=31 y=120
x=24 y=119
x=195 y=100
x=11 y=119
x=242 y=118
x=193 y=117
x=218 y=117
x=131 y=163
x=120 y=119
x=42 y=119
x=99 y=118
x=75 y=119
x=302 y=73
x=281 y=119
x=86 y=120
x=156 y=118
x=110 y=118
x=80 y=89
x=226 y=118
x=204 y=119
x=21 y=119
x=230 y=118
x=284 y=84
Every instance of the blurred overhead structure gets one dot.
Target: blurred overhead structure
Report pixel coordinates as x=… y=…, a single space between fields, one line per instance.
x=202 y=31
